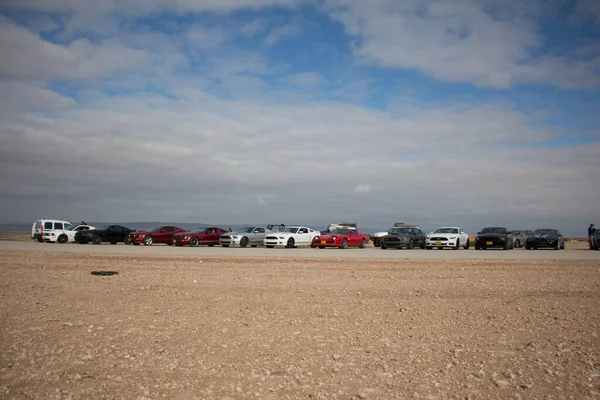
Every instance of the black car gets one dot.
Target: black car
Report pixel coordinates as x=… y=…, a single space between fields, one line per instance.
x=594 y=241
x=107 y=233
x=545 y=238
x=494 y=237
x=409 y=237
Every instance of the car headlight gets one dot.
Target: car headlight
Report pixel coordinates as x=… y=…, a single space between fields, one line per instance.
x=281 y=238
x=334 y=237
x=234 y=237
x=316 y=238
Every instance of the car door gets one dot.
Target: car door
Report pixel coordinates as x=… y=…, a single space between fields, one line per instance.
x=110 y=234
x=258 y=234
x=166 y=234
x=302 y=236
x=419 y=237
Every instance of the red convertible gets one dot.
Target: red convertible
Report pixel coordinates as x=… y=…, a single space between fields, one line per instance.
x=158 y=234
x=341 y=238
x=207 y=236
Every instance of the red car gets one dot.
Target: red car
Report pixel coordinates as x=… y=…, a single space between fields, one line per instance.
x=207 y=236
x=341 y=238
x=158 y=234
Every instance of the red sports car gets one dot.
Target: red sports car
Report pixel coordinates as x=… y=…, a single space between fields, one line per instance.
x=341 y=238
x=157 y=234
x=207 y=236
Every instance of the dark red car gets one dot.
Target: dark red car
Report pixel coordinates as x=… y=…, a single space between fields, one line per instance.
x=341 y=238
x=157 y=234
x=208 y=236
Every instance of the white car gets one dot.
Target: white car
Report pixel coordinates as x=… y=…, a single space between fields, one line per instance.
x=452 y=237
x=291 y=237
x=64 y=235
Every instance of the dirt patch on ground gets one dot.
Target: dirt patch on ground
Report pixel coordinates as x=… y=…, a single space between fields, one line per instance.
x=191 y=328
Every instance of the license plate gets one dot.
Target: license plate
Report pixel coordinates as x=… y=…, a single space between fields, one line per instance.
x=489 y=243
x=438 y=242
x=323 y=241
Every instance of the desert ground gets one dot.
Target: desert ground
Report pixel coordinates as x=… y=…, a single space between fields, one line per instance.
x=196 y=326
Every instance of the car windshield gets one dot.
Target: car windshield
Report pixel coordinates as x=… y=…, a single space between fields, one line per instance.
x=69 y=227
x=248 y=229
x=501 y=231
x=545 y=232
x=446 y=230
x=105 y=227
x=340 y=231
x=290 y=230
x=397 y=231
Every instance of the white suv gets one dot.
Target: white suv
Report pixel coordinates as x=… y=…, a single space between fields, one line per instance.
x=66 y=235
x=55 y=230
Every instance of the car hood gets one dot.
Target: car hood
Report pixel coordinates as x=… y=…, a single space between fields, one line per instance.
x=448 y=235
x=399 y=235
x=546 y=236
x=380 y=234
x=484 y=235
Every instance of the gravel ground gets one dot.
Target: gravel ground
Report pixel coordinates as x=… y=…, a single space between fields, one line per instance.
x=235 y=328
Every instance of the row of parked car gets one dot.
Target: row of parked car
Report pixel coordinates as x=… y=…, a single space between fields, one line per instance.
x=341 y=235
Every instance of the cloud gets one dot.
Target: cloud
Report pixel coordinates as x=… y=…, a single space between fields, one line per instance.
x=489 y=43
x=362 y=188
x=280 y=33
x=27 y=56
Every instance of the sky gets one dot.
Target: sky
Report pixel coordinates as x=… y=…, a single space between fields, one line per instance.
x=463 y=112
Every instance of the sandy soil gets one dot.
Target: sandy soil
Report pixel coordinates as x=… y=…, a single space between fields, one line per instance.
x=233 y=328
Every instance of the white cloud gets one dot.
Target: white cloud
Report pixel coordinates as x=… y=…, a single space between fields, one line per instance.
x=280 y=33
x=27 y=56
x=487 y=43
x=362 y=188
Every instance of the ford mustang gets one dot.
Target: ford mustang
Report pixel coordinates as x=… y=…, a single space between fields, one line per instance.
x=203 y=236
x=594 y=241
x=250 y=235
x=107 y=233
x=409 y=237
x=452 y=237
x=291 y=237
x=493 y=237
x=545 y=238
x=157 y=234
x=342 y=238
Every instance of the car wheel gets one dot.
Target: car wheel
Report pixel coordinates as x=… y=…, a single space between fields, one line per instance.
x=467 y=245
x=269 y=247
x=96 y=239
x=410 y=245
x=562 y=246
x=376 y=242
x=344 y=244
x=194 y=242
x=62 y=239
x=363 y=244
x=244 y=242
x=457 y=244
x=506 y=245
x=127 y=240
x=422 y=245
x=40 y=240
x=291 y=243
x=148 y=241
x=527 y=247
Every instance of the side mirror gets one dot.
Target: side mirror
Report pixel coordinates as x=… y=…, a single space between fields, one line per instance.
x=462 y=233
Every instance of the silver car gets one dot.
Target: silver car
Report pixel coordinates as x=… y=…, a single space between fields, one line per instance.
x=249 y=236
x=520 y=237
